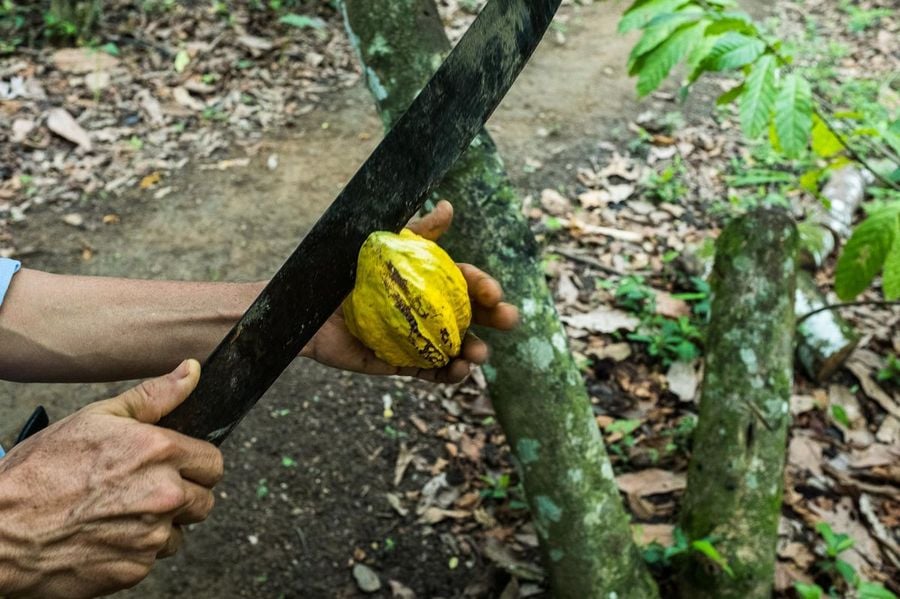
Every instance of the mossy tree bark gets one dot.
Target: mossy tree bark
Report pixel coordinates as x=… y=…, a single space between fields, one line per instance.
x=535 y=385
x=735 y=474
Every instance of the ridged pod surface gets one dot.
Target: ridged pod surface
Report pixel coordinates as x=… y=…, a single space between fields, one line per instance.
x=410 y=303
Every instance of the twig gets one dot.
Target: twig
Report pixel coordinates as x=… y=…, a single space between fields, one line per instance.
x=587 y=261
x=844 y=305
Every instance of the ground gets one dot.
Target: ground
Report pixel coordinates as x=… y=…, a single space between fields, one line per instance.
x=310 y=486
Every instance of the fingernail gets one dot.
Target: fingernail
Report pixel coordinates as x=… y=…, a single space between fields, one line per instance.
x=183 y=370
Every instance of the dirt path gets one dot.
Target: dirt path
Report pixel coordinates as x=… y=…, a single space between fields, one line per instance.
x=291 y=531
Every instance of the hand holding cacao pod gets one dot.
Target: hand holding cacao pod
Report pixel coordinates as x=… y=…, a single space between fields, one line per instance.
x=410 y=304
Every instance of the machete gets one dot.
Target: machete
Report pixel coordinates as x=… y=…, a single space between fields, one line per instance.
x=389 y=188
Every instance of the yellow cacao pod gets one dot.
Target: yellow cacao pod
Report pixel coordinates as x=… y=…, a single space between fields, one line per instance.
x=410 y=303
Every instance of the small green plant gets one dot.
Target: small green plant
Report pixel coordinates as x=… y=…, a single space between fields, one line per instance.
x=669 y=340
x=861 y=18
x=633 y=294
x=657 y=554
x=891 y=371
x=625 y=428
x=842 y=574
x=668 y=184
x=498 y=488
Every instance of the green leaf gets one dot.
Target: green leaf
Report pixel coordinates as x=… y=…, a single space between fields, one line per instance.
x=734 y=50
x=874 y=590
x=656 y=65
x=824 y=143
x=182 y=59
x=696 y=60
x=866 y=251
x=660 y=28
x=891 y=277
x=808 y=591
x=705 y=547
x=793 y=114
x=731 y=95
x=847 y=572
x=302 y=21
x=733 y=21
x=641 y=12
x=759 y=97
x=810 y=180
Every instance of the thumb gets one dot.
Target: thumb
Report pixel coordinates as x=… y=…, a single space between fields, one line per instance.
x=154 y=398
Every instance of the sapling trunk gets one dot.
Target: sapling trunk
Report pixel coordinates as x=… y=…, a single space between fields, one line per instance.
x=733 y=497
x=535 y=386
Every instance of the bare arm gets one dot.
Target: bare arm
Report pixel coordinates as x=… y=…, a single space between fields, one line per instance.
x=56 y=328
x=59 y=328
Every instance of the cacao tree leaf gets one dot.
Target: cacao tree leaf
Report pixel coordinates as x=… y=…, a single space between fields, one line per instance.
x=696 y=60
x=731 y=95
x=660 y=28
x=640 y=13
x=657 y=64
x=733 y=21
x=793 y=114
x=824 y=143
x=734 y=50
x=759 y=97
x=891 y=276
x=866 y=251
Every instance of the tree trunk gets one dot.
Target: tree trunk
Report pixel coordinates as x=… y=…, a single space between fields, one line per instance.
x=535 y=386
x=734 y=487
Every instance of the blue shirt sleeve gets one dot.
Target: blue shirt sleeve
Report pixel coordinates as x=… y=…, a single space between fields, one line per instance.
x=7 y=269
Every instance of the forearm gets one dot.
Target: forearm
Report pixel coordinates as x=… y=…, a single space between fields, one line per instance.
x=56 y=328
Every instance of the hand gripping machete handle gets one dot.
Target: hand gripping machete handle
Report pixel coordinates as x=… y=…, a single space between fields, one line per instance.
x=384 y=194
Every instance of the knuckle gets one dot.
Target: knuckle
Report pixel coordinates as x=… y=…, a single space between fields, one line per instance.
x=168 y=498
x=217 y=467
x=126 y=574
x=157 y=538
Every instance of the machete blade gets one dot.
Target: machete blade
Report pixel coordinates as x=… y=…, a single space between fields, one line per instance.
x=384 y=194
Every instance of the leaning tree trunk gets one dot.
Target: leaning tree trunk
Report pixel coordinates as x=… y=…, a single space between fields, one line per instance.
x=535 y=385
x=825 y=340
x=735 y=475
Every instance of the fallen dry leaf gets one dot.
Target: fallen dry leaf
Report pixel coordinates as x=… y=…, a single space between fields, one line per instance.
x=21 y=128
x=805 y=454
x=873 y=391
x=83 y=60
x=150 y=180
x=594 y=198
x=683 y=380
x=433 y=515
x=652 y=481
x=554 y=203
x=602 y=320
x=613 y=351
x=184 y=97
x=876 y=454
x=59 y=121
x=73 y=219
x=566 y=290
x=669 y=306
